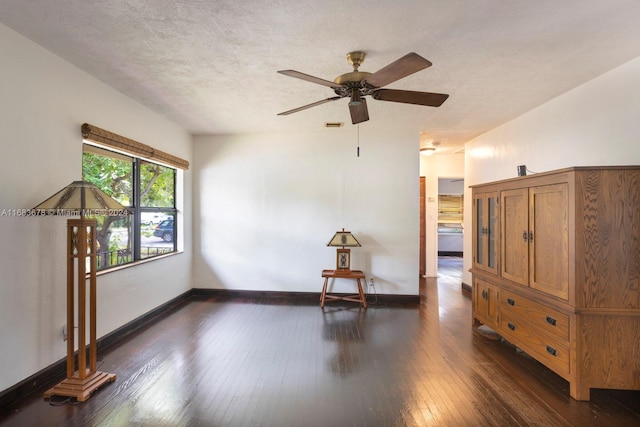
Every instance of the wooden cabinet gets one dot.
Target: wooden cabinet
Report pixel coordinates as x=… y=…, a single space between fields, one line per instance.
x=538 y=329
x=536 y=249
x=485 y=235
x=565 y=282
x=514 y=251
x=549 y=239
x=485 y=302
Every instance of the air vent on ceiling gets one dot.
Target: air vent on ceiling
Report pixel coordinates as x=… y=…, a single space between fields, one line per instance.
x=333 y=124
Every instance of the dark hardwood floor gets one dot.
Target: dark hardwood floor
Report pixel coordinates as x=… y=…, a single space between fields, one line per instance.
x=239 y=362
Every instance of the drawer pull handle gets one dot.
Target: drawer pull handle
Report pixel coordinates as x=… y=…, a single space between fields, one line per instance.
x=484 y=295
x=513 y=328
x=552 y=351
x=511 y=302
x=551 y=321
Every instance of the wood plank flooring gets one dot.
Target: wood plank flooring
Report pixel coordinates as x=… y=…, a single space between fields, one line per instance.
x=238 y=362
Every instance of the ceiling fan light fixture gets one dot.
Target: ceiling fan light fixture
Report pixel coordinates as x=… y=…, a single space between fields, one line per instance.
x=427 y=151
x=355 y=98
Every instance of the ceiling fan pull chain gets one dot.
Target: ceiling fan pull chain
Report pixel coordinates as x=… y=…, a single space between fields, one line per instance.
x=358 y=151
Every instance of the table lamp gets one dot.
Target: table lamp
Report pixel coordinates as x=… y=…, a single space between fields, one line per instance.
x=343 y=239
x=81 y=198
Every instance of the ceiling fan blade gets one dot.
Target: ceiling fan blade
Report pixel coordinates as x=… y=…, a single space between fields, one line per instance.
x=410 y=97
x=308 y=78
x=359 y=112
x=407 y=65
x=313 y=104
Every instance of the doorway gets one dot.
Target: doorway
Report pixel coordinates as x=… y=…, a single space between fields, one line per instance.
x=423 y=228
x=450 y=225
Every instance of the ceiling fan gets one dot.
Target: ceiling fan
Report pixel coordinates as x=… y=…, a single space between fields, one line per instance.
x=358 y=84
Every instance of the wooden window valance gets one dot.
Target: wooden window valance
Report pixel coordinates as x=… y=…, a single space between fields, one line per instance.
x=110 y=139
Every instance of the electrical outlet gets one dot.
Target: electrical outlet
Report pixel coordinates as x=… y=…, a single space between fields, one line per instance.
x=371 y=281
x=64 y=332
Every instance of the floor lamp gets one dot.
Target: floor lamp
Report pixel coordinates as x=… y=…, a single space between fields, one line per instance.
x=81 y=198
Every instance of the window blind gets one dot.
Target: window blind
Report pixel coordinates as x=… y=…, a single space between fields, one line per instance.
x=119 y=142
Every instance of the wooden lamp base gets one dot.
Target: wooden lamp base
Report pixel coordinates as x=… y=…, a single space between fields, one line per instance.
x=82 y=381
x=81 y=389
x=343 y=260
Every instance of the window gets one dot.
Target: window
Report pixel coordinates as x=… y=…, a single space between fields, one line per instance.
x=148 y=190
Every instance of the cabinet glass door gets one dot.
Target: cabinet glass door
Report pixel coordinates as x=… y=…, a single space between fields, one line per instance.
x=479 y=232
x=485 y=232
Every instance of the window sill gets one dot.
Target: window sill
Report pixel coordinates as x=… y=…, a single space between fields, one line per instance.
x=136 y=263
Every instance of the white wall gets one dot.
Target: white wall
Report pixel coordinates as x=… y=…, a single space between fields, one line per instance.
x=452 y=185
x=267 y=205
x=432 y=168
x=43 y=102
x=595 y=124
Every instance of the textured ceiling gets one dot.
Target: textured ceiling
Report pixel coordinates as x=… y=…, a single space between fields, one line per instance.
x=211 y=65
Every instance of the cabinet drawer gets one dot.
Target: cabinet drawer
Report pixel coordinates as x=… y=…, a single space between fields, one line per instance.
x=544 y=347
x=538 y=315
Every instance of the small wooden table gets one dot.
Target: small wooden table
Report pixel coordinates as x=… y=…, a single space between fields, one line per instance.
x=343 y=274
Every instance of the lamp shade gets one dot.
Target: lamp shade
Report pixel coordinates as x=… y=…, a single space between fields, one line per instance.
x=82 y=198
x=343 y=238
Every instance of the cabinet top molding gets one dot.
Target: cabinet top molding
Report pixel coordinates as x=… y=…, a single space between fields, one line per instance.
x=557 y=171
